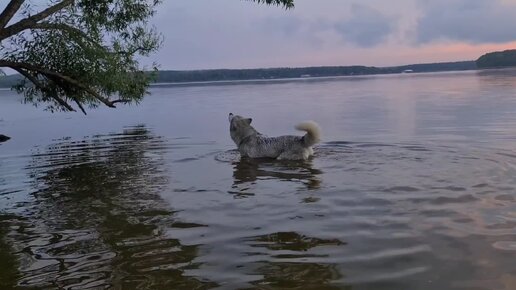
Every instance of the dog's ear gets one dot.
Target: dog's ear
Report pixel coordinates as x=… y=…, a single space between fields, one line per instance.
x=249 y=120
x=230 y=117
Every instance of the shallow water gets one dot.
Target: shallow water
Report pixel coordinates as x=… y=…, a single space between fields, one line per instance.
x=414 y=187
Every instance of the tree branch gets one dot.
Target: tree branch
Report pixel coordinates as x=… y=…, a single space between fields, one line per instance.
x=286 y=3
x=131 y=51
x=80 y=106
x=31 y=67
x=42 y=87
x=32 y=20
x=63 y=27
x=119 y=101
x=9 y=12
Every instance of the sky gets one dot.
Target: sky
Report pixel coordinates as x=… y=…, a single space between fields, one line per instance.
x=208 y=34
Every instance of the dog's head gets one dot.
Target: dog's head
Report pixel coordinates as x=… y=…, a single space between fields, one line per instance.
x=240 y=128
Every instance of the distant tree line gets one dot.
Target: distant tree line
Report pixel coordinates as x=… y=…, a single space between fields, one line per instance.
x=506 y=58
x=323 y=71
x=173 y=76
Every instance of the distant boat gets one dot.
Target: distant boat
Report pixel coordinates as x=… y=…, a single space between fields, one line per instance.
x=407 y=71
x=306 y=76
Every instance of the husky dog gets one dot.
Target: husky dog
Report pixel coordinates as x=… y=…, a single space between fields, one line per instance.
x=252 y=144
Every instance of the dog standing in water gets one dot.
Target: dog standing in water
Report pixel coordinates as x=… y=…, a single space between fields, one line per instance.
x=253 y=144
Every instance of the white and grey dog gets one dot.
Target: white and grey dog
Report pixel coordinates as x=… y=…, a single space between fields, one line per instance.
x=253 y=144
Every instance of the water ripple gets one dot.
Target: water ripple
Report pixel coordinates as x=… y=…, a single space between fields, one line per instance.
x=133 y=210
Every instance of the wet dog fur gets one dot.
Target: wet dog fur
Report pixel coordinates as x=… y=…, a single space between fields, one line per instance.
x=253 y=144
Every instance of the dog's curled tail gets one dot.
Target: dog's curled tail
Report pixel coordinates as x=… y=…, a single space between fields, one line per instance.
x=313 y=133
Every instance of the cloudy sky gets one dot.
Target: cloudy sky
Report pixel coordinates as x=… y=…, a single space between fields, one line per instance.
x=202 y=34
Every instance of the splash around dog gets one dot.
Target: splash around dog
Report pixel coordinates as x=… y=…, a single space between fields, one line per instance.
x=253 y=144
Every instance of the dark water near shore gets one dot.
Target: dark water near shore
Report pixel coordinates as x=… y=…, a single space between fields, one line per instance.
x=414 y=187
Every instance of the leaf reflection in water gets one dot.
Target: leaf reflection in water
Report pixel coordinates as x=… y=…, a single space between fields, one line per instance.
x=289 y=266
x=97 y=220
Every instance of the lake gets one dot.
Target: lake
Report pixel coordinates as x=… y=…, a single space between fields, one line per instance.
x=413 y=187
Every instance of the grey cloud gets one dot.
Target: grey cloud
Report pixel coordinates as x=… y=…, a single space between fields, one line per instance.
x=286 y=26
x=473 y=21
x=304 y=31
x=367 y=26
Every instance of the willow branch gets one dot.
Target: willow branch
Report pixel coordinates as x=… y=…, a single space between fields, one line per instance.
x=288 y=4
x=9 y=12
x=32 y=20
x=31 y=67
x=120 y=101
x=80 y=106
x=43 y=88
x=64 y=27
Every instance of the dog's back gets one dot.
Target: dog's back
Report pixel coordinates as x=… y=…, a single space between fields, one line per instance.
x=255 y=145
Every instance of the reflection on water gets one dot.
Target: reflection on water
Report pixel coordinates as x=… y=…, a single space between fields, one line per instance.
x=286 y=269
x=8 y=264
x=247 y=171
x=420 y=195
x=97 y=219
x=104 y=212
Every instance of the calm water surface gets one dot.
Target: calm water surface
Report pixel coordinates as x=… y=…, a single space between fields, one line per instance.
x=414 y=187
